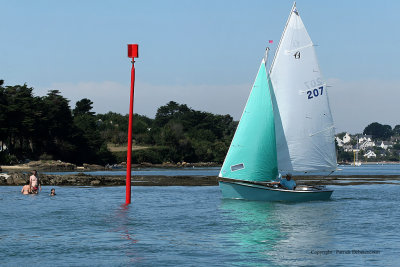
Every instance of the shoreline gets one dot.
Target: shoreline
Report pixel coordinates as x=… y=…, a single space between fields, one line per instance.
x=64 y=166
x=81 y=179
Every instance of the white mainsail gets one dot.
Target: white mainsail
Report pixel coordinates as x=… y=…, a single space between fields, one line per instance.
x=303 y=119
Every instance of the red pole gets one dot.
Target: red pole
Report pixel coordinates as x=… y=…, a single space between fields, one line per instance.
x=129 y=154
x=132 y=53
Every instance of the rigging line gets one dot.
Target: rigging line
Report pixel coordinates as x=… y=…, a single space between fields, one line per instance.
x=320 y=180
x=323 y=130
x=299 y=48
x=302 y=92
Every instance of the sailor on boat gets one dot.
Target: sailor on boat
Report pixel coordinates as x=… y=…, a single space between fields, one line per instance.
x=286 y=183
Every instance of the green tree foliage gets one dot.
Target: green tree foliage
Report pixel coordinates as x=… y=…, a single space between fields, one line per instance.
x=57 y=125
x=171 y=111
x=3 y=112
x=396 y=146
x=193 y=135
x=92 y=147
x=343 y=156
x=113 y=127
x=45 y=127
x=378 y=131
x=18 y=117
x=181 y=133
x=82 y=107
x=396 y=130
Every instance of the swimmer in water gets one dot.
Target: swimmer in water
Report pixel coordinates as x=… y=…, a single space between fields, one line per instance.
x=52 y=192
x=26 y=189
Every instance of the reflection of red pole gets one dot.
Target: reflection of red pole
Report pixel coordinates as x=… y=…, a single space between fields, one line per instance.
x=132 y=53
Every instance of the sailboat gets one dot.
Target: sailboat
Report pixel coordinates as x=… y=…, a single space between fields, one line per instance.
x=286 y=125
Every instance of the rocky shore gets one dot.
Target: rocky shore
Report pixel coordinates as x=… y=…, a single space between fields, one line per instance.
x=81 y=179
x=57 y=165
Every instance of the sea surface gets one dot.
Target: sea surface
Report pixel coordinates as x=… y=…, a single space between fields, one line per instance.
x=367 y=169
x=193 y=226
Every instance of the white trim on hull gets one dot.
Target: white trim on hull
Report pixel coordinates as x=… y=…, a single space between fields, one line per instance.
x=250 y=191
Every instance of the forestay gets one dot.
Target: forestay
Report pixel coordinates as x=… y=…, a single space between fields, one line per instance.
x=252 y=154
x=303 y=120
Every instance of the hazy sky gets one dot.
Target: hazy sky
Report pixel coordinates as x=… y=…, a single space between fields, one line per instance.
x=201 y=53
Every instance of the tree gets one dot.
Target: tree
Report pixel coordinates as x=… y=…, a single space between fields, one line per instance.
x=92 y=148
x=46 y=127
x=18 y=117
x=396 y=130
x=396 y=147
x=83 y=106
x=57 y=128
x=3 y=113
x=171 y=110
x=378 y=131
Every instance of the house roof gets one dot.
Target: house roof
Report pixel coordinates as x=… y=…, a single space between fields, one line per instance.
x=387 y=143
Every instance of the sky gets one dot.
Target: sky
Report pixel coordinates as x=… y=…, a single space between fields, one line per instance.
x=201 y=53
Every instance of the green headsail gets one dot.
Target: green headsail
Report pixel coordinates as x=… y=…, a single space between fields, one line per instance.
x=252 y=154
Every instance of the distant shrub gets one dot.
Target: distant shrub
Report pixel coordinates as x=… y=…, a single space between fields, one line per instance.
x=155 y=155
x=7 y=159
x=45 y=156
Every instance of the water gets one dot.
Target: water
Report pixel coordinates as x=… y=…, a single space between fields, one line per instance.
x=193 y=226
x=367 y=169
x=204 y=171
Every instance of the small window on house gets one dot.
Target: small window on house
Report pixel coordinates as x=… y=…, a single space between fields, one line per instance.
x=237 y=167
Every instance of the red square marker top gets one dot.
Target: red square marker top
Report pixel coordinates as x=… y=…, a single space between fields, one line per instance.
x=133 y=50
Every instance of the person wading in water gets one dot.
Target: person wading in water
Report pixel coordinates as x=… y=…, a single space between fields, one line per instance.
x=35 y=183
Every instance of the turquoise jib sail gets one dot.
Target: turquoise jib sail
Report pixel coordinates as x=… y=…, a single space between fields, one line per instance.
x=252 y=154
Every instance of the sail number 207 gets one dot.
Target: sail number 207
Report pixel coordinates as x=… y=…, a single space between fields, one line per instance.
x=315 y=92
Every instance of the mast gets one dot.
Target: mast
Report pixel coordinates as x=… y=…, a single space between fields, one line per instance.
x=284 y=30
x=266 y=57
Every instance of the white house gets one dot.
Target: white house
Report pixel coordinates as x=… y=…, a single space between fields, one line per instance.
x=345 y=140
x=370 y=154
x=339 y=142
x=364 y=138
x=367 y=144
x=385 y=144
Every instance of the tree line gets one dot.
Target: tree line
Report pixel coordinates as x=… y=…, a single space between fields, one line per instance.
x=34 y=127
x=382 y=132
x=176 y=134
x=46 y=127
